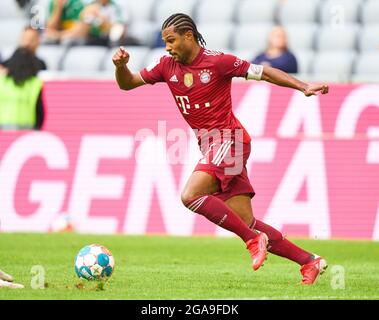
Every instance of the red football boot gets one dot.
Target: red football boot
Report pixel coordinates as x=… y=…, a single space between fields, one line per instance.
x=258 y=249
x=313 y=269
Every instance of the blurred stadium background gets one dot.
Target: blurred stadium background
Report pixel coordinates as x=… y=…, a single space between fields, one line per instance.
x=88 y=171
x=333 y=40
x=314 y=163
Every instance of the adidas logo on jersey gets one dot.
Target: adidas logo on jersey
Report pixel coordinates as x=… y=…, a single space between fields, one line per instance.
x=174 y=78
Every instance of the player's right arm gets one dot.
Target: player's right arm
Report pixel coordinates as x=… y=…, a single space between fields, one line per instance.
x=125 y=78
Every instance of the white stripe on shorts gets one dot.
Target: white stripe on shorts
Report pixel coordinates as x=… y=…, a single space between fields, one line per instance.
x=219 y=151
x=217 y=160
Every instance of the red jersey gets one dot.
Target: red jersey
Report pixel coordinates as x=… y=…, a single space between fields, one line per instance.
x=202 y=89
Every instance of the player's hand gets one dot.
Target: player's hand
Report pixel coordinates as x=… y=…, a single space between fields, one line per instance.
x=120 y=58
x=316 y=89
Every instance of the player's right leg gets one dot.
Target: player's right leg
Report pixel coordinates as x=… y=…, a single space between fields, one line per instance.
x=197 y=196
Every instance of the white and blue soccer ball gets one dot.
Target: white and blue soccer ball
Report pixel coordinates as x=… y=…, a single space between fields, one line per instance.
x=94 y=262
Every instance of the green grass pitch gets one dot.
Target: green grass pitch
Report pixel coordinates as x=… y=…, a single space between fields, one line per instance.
x=158 y=267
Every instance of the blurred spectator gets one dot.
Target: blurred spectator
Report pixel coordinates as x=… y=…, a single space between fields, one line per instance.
x=277 y=54
x=23 y=3
x=99 y=23
x=62 y=17
x=158 y=41
x=30 y=39
x=102 y=22
x=21 y=105
x=3 y=70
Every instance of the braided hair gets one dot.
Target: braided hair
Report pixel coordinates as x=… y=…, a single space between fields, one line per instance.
x=183 y=23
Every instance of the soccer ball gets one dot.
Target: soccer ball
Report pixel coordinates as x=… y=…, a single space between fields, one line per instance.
x=94 y=262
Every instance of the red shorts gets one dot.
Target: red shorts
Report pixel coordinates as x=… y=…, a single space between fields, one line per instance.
x=226 y=162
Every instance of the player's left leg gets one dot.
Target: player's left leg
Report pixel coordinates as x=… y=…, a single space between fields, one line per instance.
x=241 y=204
x=311 y=265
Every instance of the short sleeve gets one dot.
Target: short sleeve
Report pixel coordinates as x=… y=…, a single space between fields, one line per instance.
x=231 y=66
x=153 y=73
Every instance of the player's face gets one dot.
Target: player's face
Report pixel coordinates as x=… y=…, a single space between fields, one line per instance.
x=179 y=46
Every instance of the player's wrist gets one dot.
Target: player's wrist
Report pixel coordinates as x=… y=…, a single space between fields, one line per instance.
x=121 y=66
x=303 y=87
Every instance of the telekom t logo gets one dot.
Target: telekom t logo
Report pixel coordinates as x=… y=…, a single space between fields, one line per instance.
x=183 y=102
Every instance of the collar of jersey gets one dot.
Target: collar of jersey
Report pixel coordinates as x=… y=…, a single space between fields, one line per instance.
x=198 y=57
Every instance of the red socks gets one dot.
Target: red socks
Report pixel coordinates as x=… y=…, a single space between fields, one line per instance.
x=282 y=247
x=219 y=213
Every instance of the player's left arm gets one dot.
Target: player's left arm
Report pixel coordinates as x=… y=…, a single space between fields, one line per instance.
x=283 y=79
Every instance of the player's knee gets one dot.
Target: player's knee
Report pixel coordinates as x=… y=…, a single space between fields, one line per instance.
x=188 y=196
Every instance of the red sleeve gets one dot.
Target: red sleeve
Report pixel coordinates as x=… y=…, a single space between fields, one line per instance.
x=153 y=72
x=231 y=66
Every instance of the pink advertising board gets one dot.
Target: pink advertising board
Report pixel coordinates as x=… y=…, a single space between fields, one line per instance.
x=116 y=161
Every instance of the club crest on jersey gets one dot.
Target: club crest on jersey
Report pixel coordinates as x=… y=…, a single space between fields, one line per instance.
x=188 y=79
x=205 y=76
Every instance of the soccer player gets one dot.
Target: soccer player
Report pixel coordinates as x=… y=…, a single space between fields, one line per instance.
x=6 y=281
x=200 y=81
